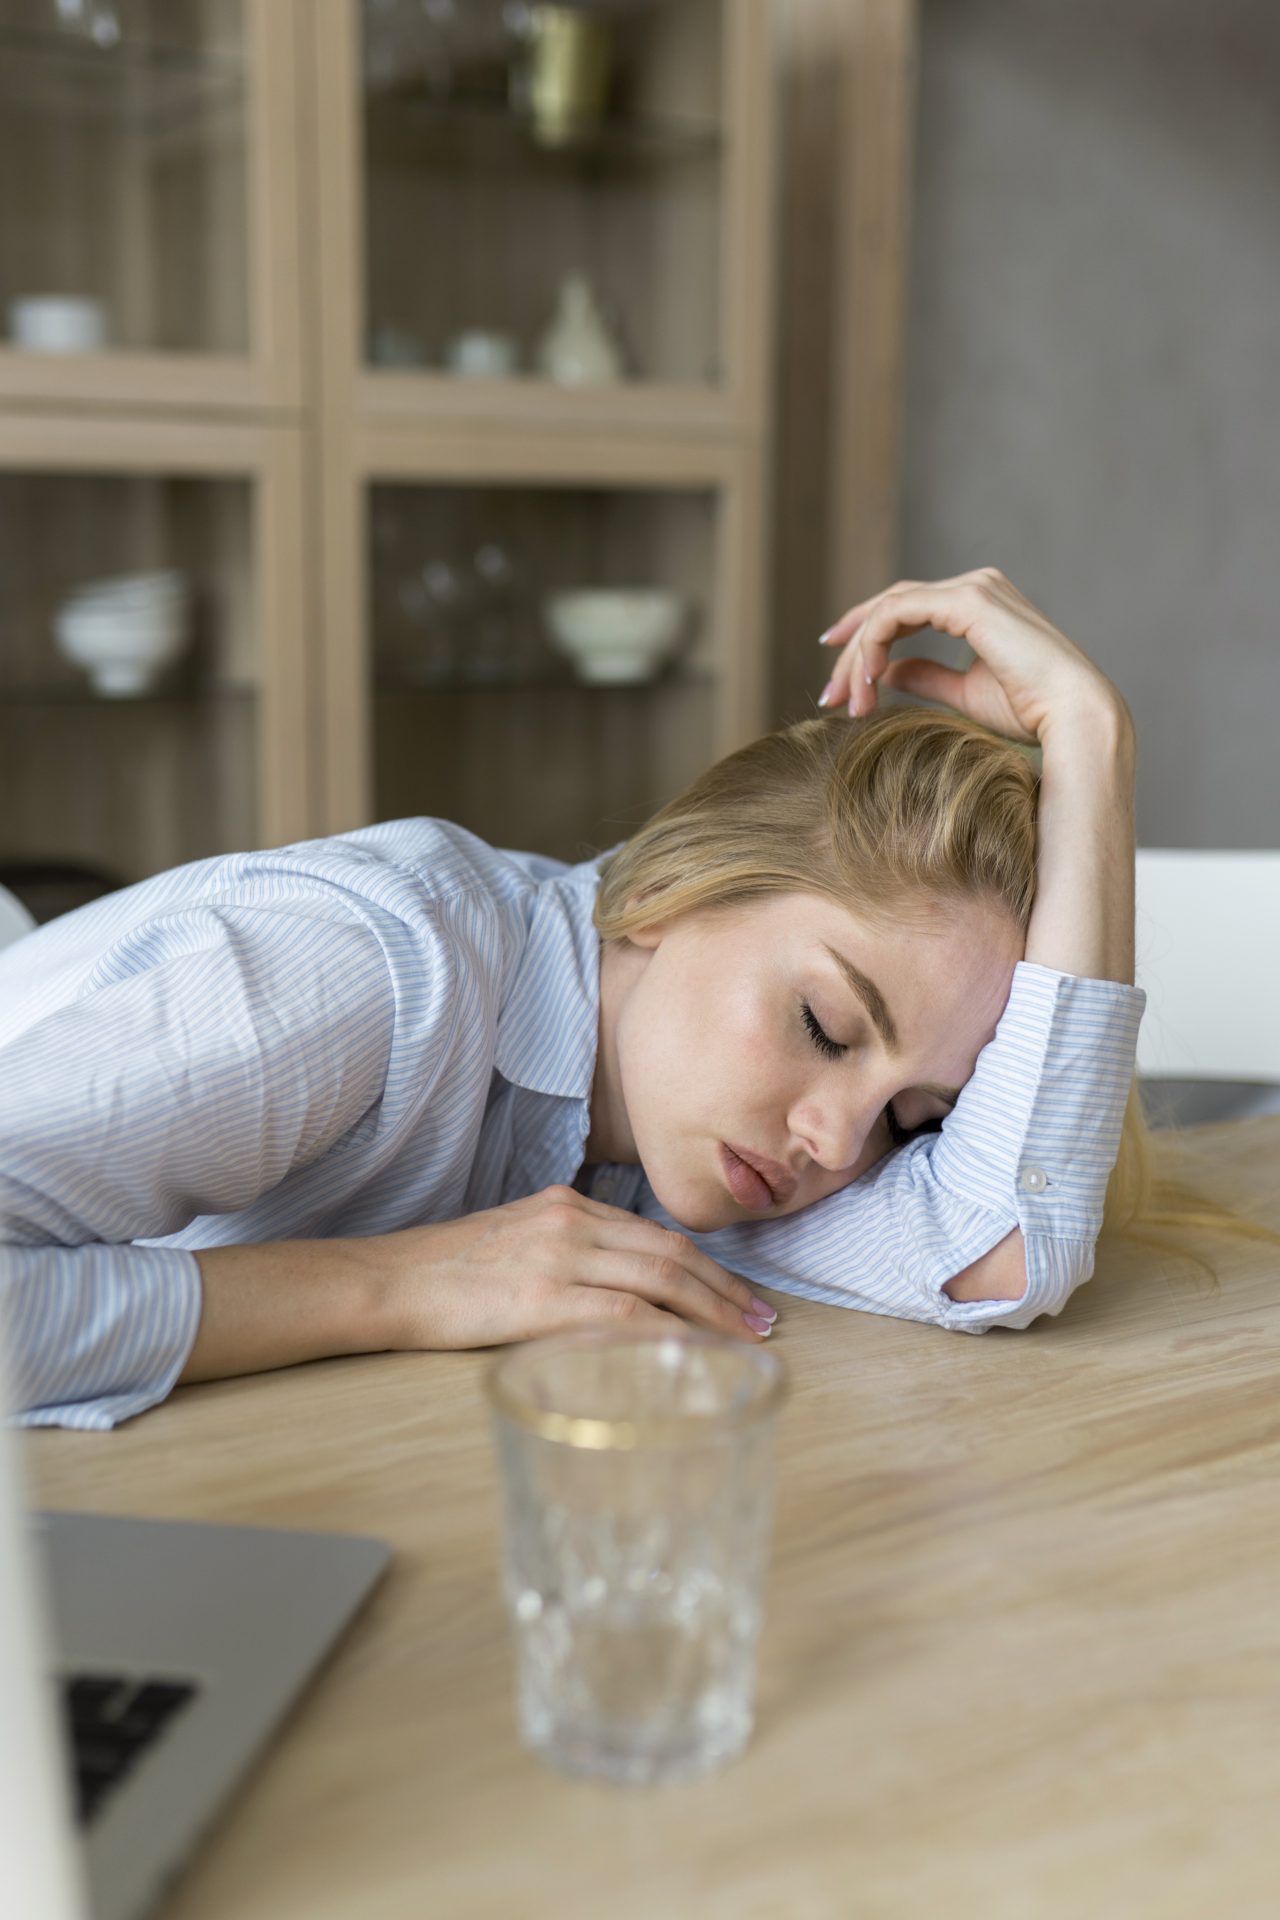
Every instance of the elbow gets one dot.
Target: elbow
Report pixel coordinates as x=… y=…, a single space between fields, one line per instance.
x=1001 y=1274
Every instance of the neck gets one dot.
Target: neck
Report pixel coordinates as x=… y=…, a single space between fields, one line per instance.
x=610 y=1134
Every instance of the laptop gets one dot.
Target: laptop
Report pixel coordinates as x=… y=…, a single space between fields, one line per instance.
x=143 y=1665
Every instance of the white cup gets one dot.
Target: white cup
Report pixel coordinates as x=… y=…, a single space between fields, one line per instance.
x=482 y=354
x=57 y=323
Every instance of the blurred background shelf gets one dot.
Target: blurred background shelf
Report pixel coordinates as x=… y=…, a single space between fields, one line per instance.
x=153 y=89
x=289 y=220
x=151 y=178
x=542 y=684
x=178 y=697
x=405 y=130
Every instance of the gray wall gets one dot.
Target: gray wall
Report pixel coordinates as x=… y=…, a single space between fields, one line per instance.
x=1093 y=364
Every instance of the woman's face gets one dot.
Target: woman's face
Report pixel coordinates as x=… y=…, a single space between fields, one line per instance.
x=746 y=1068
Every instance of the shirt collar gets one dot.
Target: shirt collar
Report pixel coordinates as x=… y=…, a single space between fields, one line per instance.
x=549 y=1025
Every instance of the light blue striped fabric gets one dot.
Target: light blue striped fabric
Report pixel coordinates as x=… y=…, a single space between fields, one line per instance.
x=355 y=1035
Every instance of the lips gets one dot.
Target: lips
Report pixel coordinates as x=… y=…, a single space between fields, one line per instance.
x=772 y=1186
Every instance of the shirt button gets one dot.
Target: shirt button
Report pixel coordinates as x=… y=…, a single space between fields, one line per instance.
x=604 y=1188
x=1033 y=1179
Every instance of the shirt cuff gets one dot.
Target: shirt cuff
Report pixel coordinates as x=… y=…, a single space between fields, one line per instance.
x=96 y=1334
x=1042 y=1117
x=1036 y=1131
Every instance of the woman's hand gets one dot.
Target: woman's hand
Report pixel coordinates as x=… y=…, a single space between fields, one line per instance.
x=1027 y=680
x=556 y=1259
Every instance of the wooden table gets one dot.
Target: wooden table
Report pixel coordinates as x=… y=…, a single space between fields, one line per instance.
x=1021 y=1655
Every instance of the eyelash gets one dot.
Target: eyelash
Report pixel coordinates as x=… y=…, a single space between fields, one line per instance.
x=832 y=1050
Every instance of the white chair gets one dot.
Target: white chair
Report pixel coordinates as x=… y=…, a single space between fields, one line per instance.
x=1208 y=955
x=14 y=918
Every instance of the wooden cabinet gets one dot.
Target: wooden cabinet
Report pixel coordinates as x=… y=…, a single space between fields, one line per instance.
x=289 y=231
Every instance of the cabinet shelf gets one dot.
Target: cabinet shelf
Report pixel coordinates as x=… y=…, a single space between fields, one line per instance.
x=396 y=687
x=416 y=131
x=86 y=697
x=138 y=87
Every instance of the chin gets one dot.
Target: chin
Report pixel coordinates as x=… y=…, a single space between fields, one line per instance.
x=701 y=1219
x=694 y=1213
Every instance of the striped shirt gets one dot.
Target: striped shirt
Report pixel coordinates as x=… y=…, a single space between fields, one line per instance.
x=360 y=1034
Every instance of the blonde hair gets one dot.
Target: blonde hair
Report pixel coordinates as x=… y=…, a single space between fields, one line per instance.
x=908 y=806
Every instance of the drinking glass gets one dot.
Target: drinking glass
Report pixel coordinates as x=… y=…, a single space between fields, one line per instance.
x=637 y=1477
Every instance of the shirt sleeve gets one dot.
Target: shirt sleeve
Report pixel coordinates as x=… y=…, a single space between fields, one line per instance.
x=198 y=1061
x=1030 y=1144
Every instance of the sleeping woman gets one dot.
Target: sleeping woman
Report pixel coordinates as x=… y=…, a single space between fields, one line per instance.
x=853 y=1018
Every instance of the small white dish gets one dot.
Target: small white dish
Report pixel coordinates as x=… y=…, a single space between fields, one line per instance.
x=57 y=323
x=616 y=636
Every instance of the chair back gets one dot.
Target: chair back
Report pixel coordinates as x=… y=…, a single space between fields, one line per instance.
x=1208 y=955
x=14 y=918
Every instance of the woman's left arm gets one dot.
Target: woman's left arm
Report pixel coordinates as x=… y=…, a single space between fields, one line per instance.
x=1034 y=685
x=1082 y=919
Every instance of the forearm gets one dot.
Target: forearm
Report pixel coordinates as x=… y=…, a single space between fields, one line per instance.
x=275 y=1304
x=1082 y=920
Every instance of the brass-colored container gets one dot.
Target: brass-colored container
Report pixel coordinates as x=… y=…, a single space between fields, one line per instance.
x=569 y=73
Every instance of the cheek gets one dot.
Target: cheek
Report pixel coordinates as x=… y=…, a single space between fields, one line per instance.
x=717 y=1031
x=747 y=1050
x=705 y=1042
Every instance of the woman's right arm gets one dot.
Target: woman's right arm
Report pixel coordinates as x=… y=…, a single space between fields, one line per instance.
x=207 y=1057
x=180 y=1072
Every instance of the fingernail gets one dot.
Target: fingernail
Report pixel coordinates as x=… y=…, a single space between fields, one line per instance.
x=867 y=678
x=758 y=1325
x=825 y=695
x=823 y=638
x=763 y=1308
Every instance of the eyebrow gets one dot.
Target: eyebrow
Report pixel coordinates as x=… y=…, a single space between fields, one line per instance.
x=882 y=1020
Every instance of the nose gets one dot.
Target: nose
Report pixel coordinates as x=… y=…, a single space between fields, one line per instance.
x=835 y=1132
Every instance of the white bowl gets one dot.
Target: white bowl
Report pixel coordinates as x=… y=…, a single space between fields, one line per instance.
x=122 y=648
x=616 y=635
x=482 y=355
x=54 y=323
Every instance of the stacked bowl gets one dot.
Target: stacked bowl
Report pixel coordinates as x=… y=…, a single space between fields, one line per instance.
x=125 y=632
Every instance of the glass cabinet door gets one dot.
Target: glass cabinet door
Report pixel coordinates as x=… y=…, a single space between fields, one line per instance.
x=541 y=656
x=545 y=191
x=147 y=248
x=146 y=710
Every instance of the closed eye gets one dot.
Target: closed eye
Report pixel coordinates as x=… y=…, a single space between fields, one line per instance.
x=829 y=1049
x=832 y=1050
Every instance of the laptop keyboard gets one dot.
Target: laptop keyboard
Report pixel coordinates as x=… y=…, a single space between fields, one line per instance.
x=111 y=1720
